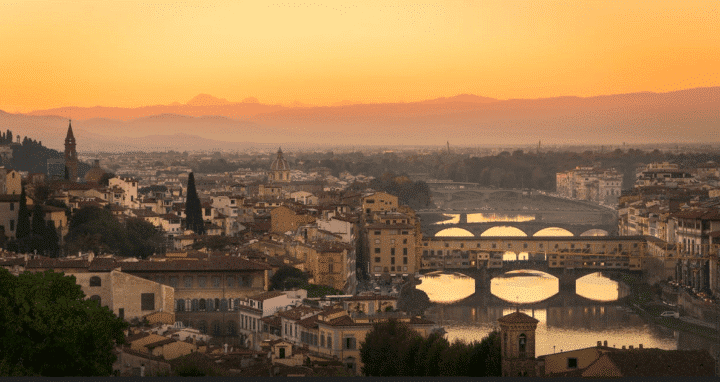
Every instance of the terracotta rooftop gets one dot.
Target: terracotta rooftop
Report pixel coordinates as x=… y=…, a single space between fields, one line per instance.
x=297 y=312
x=56 y=263
x=266 y=295
x=517 y=318
x=225 y=263
x=663 y=363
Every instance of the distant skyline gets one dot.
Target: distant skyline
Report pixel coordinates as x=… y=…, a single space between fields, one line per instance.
x=131 y=54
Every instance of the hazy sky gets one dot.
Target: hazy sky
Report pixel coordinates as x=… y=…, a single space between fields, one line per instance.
x=125 y=53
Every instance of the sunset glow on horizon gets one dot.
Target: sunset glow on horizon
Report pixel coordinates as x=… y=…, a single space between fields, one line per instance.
x=131 y=54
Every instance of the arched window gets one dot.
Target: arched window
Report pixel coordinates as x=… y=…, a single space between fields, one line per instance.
x=522 y=342
x=180 y=305
x=96 y=298
x=195 y=305
x=95 y=281
x=216 y=305
x=223 y=305
x=202 y=305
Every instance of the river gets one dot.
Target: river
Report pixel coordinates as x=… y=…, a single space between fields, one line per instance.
x=578 y=324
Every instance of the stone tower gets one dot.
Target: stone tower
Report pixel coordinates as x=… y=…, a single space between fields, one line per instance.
x=517 y=344
x=279 y=169
x=71 y=161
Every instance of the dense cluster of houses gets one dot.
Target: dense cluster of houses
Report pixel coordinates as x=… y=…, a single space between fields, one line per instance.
x=679 y=211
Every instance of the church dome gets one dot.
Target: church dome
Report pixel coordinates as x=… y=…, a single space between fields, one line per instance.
x=95 y=173
x=279 y=164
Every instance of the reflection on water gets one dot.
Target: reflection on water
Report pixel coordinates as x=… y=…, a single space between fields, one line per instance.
x=530 y=286
x=457 y=232
x=560 y=329
x=598 y=288
x=445 y=288
x=486 y=218
x=503 y=231
x=454 y=219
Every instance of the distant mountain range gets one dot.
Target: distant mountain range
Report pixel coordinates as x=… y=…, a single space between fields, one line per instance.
x=208 y=122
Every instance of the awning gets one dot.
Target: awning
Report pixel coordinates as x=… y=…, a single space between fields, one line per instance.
x=405 y=274
x=377 y=275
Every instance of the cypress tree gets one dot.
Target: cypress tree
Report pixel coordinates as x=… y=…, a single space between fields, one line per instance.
x=38 y=221
x=38 y=229
x=23 y=225
x=51 y=239
x=193 y=208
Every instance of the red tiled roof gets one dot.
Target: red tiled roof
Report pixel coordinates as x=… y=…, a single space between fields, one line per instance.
x=663 y=363
x=310 y=322
x=517 y=318
x=266 y=295
x=56 y=263
x=249 y=309
x=297 y=312
x=102 y=265
x=224 y=263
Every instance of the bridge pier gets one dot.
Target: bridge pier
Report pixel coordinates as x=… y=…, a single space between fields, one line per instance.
x=567 y=282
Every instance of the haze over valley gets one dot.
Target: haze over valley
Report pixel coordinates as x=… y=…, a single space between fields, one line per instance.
x=207 y=122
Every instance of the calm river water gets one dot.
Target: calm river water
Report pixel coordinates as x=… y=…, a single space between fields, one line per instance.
x=561 y=328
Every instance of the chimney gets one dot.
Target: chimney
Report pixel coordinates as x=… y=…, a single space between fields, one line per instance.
x=605 y=343
x=599 y=343
x=631 y=347
x=623 y=347
x=640 y=346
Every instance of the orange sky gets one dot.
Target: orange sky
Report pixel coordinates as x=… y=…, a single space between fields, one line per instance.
x=113 y=53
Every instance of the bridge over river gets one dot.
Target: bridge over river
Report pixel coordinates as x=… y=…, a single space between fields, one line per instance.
x=567 y=278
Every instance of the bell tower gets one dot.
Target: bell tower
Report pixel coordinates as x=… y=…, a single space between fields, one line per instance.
x=517 y=346
x=71 y=161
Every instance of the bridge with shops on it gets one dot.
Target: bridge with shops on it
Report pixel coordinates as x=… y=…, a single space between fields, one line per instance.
x=567 y=257
x=529 y=228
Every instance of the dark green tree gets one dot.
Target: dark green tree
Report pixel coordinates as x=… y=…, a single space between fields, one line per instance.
x=23 y=226
x=193 y=208
x=385 y=351
x=96 y=229
x=51 y=240
x=49 y=329
x=288 y=277
x=485 y=357
x=38 y=220
x=105 y=179
x=145 y=237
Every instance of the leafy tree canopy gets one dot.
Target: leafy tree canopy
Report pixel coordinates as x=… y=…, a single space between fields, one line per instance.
x=96 y=229
x=392 y=348
x=288 y=277
x=49 y=329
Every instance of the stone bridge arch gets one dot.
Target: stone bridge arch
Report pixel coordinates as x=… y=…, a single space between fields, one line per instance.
x=528 y=228
x=595 y=232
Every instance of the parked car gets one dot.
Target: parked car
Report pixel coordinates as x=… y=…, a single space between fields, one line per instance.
x=670 y=314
